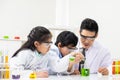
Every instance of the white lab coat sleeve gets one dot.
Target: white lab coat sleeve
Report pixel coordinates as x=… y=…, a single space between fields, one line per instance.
x=110 y=69
x=19 y=61
x=57 y=64
x=15 y=69
x=107 y=61
x=72 y=70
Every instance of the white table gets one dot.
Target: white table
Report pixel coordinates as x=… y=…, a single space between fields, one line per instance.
x=25 y=76
x=78 y=77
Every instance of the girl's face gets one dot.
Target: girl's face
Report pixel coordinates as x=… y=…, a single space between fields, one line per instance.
x=43 y=47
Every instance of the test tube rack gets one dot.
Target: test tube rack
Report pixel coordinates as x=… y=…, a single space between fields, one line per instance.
x=116 y=67
x=4 y=66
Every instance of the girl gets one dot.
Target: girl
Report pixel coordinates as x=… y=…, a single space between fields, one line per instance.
x=32 y=55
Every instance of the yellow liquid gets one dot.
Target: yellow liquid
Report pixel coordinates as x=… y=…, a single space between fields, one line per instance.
x=7 y=74
x=32 y=76
x=6 y=59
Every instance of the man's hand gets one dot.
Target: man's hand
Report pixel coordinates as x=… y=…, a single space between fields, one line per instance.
x=103 y=71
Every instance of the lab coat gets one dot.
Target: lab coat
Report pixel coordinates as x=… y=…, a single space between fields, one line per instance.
x=29 y=60
x=57 y=63
x=97 y=56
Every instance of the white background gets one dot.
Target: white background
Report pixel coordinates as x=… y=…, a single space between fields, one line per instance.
x=18 y=17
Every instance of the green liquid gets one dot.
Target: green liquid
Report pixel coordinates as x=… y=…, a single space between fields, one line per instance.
x=72 y=58
x=6 y=37
x=85 y=72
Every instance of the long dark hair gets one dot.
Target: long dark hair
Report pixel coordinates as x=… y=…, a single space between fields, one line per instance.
x=39 y=33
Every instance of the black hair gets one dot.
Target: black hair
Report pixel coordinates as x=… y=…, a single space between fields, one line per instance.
x=66 y=38
x=39 y=33
x=90 y=25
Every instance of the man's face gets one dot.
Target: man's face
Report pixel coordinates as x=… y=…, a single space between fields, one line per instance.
x=87 y=38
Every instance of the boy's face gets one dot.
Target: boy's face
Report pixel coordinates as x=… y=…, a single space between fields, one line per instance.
x=66 y=49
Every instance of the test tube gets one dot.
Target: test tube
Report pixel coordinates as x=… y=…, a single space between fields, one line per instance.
x=113 y=67
x=1 y=63
x=116 y=67
x=6 y=66
x=7 y=72
x=119 y=67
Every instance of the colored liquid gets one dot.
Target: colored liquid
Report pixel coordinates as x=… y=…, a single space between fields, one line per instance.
x=6 y=37
x=7 y=74
x=32 y=76
x=116 y=67
x=72 y=58
x=15 y=76
x=6 y=59
x=118 y=62
x=119 y=70
x=119 y=67
x=113 y=63
x=85 y=72
x=113 y=70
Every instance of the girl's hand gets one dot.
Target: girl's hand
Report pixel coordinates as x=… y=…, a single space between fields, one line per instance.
x=41 y=74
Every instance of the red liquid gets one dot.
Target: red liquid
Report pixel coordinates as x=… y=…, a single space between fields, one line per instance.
x=113 y=70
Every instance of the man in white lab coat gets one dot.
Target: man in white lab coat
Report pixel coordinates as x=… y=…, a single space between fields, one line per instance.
x=98 y=58
x=61 y=52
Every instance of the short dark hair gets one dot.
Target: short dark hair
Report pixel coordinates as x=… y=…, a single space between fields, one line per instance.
x=90 y=25
x=66 y=38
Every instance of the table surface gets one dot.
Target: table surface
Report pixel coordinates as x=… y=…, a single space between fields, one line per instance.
x=25 y=76
x=78 y=77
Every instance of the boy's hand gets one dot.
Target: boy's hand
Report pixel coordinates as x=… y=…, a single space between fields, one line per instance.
x=76 y=72
x=78 y=57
